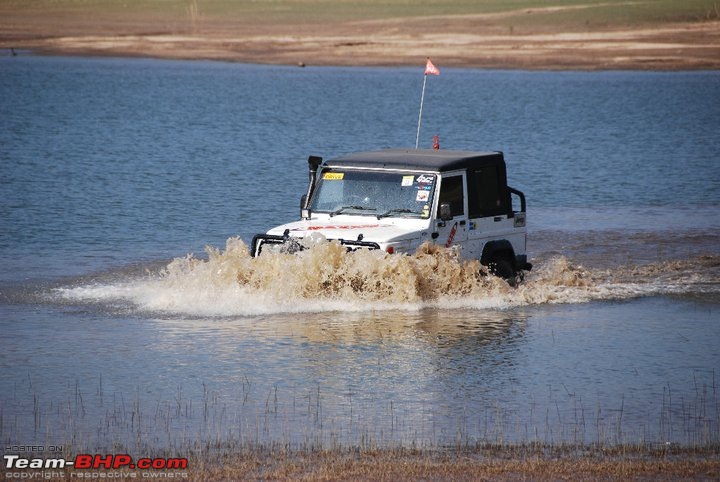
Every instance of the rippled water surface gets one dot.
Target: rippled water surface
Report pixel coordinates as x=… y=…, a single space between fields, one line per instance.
x=113 y=171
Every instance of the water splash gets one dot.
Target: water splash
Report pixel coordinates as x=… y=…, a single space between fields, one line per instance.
x=327 y=278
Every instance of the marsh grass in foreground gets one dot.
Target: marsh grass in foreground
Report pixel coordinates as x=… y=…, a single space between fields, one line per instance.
x=211 y=422
x=252 y=416
x=202 y=428
x=480 y=463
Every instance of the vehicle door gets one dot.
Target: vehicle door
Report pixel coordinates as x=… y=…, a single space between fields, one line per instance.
x=453 y=231
x=490 y=211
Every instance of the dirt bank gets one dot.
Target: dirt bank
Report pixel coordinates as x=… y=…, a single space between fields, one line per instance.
x=516 y=39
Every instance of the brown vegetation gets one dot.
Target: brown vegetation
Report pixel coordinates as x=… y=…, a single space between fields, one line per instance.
x=485 y=464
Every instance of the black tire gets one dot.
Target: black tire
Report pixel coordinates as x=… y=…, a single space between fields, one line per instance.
x=503 y=268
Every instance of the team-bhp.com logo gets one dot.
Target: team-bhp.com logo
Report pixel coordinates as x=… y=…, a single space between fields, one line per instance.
x=87 y=466
x=87 y=461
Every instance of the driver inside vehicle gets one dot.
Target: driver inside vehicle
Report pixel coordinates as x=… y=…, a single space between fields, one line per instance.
x=451 y=192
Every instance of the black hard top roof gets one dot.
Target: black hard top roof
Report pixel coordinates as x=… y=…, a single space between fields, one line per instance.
x=417 y=159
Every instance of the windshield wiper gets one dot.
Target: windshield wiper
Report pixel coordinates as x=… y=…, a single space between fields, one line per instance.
x=395 y=211
x=342 y=209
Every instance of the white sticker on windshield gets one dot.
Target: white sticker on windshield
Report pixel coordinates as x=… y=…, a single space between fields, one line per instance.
x=422 y=196
x=408 y=181
x=424 y=179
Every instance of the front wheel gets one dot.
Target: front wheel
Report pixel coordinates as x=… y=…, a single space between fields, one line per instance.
x=503 y=268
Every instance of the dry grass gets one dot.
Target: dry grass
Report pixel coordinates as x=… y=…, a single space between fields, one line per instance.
x=413 y=469
x=142 y=428
x=480 y=463
x=495 y=463
x=531 y=14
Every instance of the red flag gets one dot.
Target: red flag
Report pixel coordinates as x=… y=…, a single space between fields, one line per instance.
x=431 y=69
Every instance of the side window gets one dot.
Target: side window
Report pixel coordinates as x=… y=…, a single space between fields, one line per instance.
x=485 y=198
x=451 y=191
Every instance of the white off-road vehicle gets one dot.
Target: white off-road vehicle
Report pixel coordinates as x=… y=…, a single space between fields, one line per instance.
x=396 y=199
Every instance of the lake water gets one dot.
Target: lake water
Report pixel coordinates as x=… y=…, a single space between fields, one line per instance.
x=113 y=171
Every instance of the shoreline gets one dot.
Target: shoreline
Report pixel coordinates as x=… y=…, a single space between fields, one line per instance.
x=618 y=50
x=574 y=37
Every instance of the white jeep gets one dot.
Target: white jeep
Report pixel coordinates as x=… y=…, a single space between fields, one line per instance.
x=396 y=199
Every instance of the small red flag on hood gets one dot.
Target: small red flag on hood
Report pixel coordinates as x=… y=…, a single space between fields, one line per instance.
x=430 y=68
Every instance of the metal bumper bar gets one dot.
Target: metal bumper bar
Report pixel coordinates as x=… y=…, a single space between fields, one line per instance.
x=292 y=245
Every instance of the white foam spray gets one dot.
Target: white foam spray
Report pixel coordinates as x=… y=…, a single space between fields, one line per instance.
x=327 y=278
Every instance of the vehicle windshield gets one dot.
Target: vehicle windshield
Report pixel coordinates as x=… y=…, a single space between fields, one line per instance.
x=377 y=193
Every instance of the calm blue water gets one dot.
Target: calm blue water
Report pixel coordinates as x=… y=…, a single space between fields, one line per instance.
x=111 y=168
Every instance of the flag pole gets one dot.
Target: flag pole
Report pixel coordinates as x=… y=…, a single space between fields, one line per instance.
x=422 y=99
x=429 y=69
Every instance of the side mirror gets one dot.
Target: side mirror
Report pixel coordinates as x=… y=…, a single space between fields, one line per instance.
x=304 y=210
x=445 y=212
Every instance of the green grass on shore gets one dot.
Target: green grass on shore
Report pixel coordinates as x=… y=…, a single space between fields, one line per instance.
x=557 y=13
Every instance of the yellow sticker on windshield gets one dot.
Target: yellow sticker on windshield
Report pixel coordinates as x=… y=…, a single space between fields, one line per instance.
x=333 y=176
